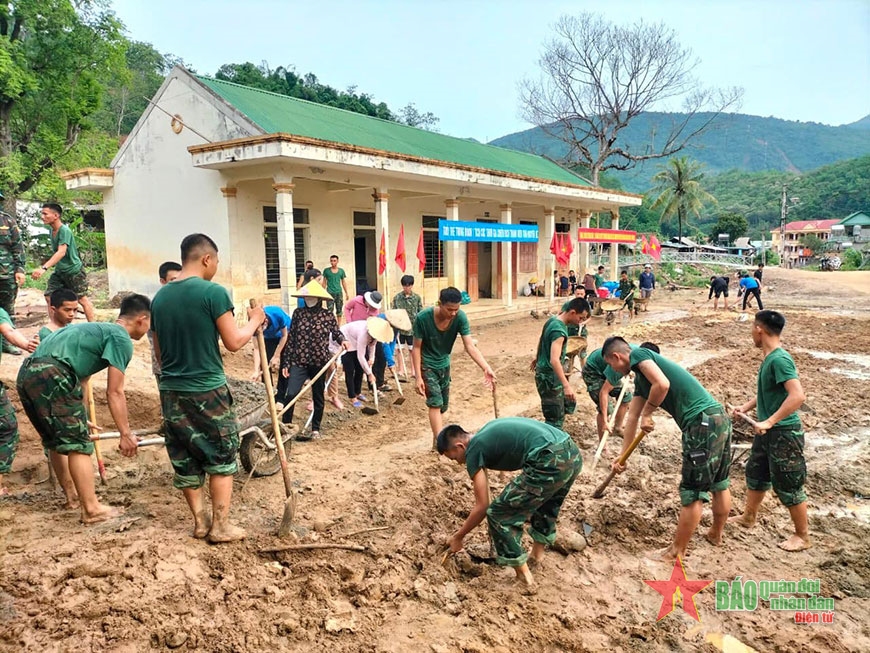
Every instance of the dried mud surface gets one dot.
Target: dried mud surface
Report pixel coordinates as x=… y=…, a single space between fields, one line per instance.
x=142 y=583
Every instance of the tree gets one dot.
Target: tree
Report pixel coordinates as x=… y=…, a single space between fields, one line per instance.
x=597 y=77
x=679 y=192
x=813 y=243
x=733 y=224
x=411 y=116
x=53 y=54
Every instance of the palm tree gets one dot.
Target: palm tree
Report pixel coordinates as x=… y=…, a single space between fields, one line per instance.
x=678 y=185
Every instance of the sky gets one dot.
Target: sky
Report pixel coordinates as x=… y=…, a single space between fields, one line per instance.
x=463 y=60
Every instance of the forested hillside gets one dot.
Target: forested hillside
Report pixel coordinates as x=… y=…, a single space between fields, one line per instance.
x=736 y=142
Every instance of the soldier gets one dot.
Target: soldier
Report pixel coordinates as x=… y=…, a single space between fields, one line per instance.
x=50 y=388
x=68 y=269
x=62 y=306
x=8 y=421
x=549 y=460
x=11 y=269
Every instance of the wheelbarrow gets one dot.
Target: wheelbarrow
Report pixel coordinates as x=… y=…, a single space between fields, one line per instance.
x=573 y=347
x=611 y=307
x=258 y=452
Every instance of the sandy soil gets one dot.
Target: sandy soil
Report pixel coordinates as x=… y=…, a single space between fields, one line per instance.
x=143 y=583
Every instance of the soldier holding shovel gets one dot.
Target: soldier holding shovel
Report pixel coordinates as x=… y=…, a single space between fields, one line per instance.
x=706 y=436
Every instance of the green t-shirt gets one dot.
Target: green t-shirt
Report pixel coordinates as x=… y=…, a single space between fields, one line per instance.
x=777 y=368
x=44 y=332
x=599 y=281
x=505 y=444
x=4 y=319
x=184 y=315
x=88 y=348
x=552 y=331
x=686 y=398
x=437 y=345
x=597 y=369
x=333 y=280
x=70 y=263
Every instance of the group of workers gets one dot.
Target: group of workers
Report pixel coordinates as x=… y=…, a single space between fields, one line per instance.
x=748 y=286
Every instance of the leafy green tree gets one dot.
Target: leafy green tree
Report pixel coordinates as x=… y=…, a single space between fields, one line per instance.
x=53 y=56
x=678 y=191
x=733 y=224
x=814 y=243
x=770 y=257
x=411 y=116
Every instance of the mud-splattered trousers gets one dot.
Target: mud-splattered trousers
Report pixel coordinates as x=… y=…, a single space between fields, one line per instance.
x=777 y=460
x=536 y=495
x=8 y=432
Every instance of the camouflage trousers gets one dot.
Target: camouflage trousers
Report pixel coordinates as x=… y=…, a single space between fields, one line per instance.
x=8 y=432
x=554 y=406
x=706 y=457
x=536 y=495
x=777 y=460
x=53 y=399
x=202 y=434
x=8 y=294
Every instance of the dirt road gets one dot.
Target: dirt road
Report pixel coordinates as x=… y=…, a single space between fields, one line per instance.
x=143 y=583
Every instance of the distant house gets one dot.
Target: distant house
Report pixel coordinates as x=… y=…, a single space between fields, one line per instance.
x=742 y=247
x=277 y=180
x=856 y=227
x=792 y=253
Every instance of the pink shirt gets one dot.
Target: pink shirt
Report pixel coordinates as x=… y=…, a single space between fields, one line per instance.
x=358 y=339
x=357 y=309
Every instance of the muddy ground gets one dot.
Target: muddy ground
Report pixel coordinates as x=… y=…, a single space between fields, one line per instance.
x=143 y=583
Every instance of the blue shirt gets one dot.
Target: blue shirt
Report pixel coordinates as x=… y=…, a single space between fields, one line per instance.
x=748 y=283
x=647 y=280
x=278 y=321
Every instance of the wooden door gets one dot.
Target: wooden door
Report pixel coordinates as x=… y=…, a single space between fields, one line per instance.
x=471 y=271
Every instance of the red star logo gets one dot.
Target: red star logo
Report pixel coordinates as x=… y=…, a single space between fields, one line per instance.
x=678 y=588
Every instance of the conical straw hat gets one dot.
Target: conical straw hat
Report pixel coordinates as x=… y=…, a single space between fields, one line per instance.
x=312 y=289
x=379 y=329
x=398 y=317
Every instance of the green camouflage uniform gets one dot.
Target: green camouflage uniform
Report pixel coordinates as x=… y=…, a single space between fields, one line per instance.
x=69 y=271
x=53 y=400
x=550 y=462
x=435 y=354
x=8 y=432
x=202 y=434
x=550 y=389
x=11 y=261
x=595 y=372
x=706 y=456
x=777 y=457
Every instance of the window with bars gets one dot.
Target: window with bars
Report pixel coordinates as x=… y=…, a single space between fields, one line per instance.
x=432 y=246
x=528 y=253
x=270 y=240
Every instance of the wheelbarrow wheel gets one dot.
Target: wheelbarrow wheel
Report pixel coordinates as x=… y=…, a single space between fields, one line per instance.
x=611 y=316
x=254 y=454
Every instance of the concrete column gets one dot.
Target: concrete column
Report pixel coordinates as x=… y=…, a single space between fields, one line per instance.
x=382 y=226
x=286 y=241
x=507 y=276
x=550 y=267
x=451 y=252
x=614 y=247
x=236 y=263
x=585 y=218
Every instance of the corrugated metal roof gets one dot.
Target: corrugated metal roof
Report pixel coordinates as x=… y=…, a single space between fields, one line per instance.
x=282 y=114
x=809 y=225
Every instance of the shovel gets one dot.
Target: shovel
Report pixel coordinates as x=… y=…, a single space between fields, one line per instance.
x=610 y=424
x=290 y=501
x=599 y=491
x=401 y=398
x=92 y=413
x=369 y=410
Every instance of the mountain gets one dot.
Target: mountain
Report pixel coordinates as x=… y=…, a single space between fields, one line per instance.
x=735 y=142
x=864 y=123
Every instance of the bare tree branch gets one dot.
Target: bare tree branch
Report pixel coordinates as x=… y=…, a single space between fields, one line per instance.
x=596 y=77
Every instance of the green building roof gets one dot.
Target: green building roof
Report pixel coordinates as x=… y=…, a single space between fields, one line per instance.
x=857 y=218
x=276 y=113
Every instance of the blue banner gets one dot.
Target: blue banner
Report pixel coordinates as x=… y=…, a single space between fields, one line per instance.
x=487 y=231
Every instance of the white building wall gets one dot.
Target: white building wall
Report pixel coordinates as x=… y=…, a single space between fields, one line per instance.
x=158 y=197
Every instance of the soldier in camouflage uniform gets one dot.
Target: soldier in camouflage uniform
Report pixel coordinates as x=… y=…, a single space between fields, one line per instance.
x=8 y=421
x=706 y=435
x=777 y=456
x=11 y=268
x=554 y=387
x=549 y=461
x=202 y=433
x=50 y=389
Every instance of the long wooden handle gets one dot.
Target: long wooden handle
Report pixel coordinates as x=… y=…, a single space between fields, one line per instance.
x=494 y=401
x=599 y=491
x=92 y=414
x=398 y=385
x=309 y=384
x=273 y=413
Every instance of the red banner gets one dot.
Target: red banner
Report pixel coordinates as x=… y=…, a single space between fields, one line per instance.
x=400 y=249
x=606 y=236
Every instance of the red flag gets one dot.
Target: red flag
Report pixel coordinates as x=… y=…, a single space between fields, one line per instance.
x=382 y=253
x=554 y=245
x=567 y=248
x=644 y=245
x=421 y=252
x=400 y=249
x=655 y=248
